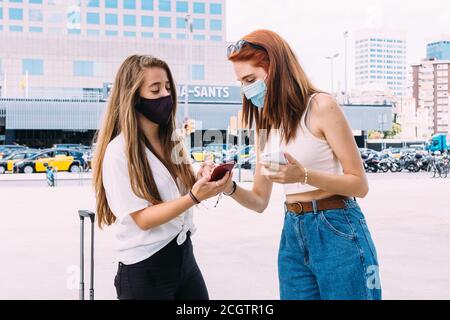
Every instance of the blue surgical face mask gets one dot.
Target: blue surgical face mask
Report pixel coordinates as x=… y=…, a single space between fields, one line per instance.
x=256 y=93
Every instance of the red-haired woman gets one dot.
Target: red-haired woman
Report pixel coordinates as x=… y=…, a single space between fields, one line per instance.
x=326 y=250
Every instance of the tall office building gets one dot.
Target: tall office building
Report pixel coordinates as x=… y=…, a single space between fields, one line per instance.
x=380 y=59
x=439 y=50
x=58 y=59
x=430 y=88
x=71 y=48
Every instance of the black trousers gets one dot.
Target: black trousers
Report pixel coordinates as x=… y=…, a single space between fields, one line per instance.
x=170 y=274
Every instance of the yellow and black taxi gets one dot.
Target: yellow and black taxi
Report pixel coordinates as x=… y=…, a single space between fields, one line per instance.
x=7 y=164
x=60 y=159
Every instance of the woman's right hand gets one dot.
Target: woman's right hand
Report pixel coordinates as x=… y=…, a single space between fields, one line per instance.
x=203 y=189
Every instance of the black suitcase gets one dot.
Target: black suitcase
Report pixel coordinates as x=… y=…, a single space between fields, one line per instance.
x=91 y=215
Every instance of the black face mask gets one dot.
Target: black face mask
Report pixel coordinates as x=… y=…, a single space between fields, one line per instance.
x=158 y=111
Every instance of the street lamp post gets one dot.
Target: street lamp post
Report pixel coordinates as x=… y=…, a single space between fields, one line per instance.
x=331 y=58
x=189 y=31
x=345 y=64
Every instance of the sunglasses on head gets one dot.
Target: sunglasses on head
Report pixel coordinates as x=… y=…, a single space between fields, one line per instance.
x=235 y=48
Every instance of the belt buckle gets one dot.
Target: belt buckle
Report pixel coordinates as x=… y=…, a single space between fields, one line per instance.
x=301 y=206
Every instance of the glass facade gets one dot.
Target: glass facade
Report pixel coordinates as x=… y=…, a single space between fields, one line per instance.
x=93 y=18
x=83 y=68
x=111 y=21
x=15 y=14
x=198 y=72
x=182 y=6
x=207 y=18
x=439 y=50
x=34 y=67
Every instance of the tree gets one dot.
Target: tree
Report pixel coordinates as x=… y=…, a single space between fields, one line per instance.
x=391 y=134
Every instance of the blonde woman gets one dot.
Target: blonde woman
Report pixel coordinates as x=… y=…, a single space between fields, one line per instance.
x=145 y=186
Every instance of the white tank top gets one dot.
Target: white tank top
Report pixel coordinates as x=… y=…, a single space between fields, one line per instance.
x=312 y=152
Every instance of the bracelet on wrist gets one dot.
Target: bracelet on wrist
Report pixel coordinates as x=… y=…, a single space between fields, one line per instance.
x=194 y=198
x=305 y=181
x=233 y=191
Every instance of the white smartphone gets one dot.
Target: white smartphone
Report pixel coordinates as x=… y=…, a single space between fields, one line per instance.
x=275 y=157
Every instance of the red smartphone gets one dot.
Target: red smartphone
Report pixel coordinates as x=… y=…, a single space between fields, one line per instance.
x=221 y=170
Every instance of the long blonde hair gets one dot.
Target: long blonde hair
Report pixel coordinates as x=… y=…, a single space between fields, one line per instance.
x=121 y=117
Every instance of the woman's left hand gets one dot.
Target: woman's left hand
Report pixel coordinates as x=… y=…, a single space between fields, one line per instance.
x=293 y=172
x=206 y=169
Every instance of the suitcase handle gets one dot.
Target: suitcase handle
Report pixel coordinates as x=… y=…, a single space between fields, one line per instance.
x=86 y=214
x=91 y=215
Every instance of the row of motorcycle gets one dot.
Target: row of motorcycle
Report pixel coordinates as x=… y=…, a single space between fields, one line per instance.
x=435 y=164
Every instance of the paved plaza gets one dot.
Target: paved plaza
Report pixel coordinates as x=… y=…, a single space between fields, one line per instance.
x=408 y=214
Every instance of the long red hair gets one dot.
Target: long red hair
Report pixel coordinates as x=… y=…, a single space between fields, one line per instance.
x=288 y=87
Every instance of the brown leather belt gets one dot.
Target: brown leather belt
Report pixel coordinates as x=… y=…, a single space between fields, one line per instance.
x=334 y=202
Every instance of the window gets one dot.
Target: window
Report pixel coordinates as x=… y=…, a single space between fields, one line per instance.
x=199 y=7
x=35 y=15
x=16 y=28
x=83 y=68
x=182 y=6
x=216 y=25
x=1 y=13
x=198 y=72
x=199 y=37
x=34 y=67
x=199 y=24
x=35 y=1
x=111 y=19
x=164 y=5
x=93 y=3
x=181 y=36
x=74 y=31
x=181 y=23
x=93 y=32
x=35 y=29
x=15 y=14
x=147 y=4
x=216 y=38
x=147 y=21
x=129 y=20
x=129 y=4
x=147 y=34
x=129 y=34
x=44 y=156
x=164 y=22
x=216 y=8
x=111 y=4
x=61 y=153
x=165 y=36
x=93 y=18
x=111 y=33
x=19 y=156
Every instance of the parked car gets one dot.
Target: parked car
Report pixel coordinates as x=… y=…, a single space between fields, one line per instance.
x=61 y=159
x=78 y=147
x=7 y=164
x=6 y=150
x=220 y=151
x=199 y=154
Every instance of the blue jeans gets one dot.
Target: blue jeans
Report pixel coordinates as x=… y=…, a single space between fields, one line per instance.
x=329 y=255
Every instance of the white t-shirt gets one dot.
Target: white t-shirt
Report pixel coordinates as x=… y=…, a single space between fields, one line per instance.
x=134 y=244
